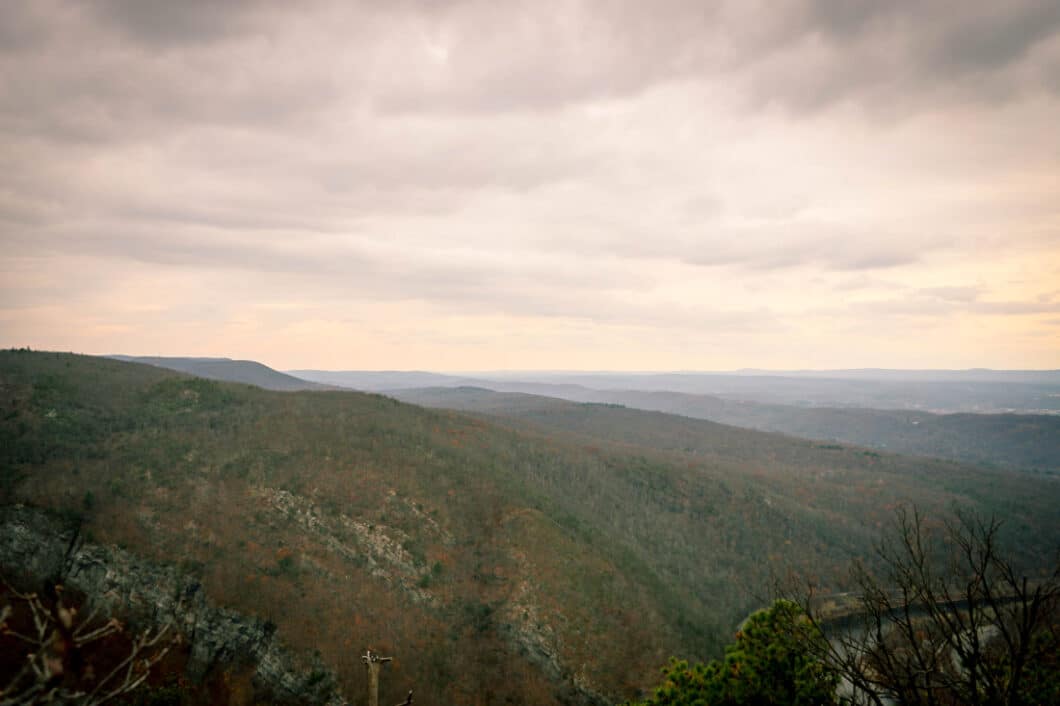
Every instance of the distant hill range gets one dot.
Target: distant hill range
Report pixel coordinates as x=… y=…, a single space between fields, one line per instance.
x=1023 y=441
x=941 y=391
x=1021 y=437
x=1032 y=377
x=385 y=380
x=246 y=371
x=1016 y=441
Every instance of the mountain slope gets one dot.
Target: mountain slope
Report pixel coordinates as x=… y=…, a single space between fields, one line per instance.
x=495 y=563
x=1021 y=441
x=1017 y=441
x=245 y=371
x=1014 y=441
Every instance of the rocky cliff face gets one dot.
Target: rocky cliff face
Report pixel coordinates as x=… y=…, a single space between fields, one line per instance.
x=37 y=548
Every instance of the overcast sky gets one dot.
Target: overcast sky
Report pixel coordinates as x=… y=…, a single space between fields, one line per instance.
x=562 y=185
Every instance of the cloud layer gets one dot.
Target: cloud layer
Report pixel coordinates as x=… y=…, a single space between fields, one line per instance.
x=551 y=184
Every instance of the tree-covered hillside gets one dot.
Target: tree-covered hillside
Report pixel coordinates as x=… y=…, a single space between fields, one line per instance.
x=246 y=371
x=1029 y=442
x=495 y=563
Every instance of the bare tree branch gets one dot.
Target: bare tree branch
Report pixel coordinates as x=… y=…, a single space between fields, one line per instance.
x=949 y=620
x=54 y=670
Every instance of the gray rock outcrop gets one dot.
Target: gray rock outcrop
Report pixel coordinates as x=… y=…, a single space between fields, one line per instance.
x=36 y=547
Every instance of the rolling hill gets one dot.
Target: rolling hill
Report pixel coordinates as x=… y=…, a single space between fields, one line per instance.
x=245 y=371
x=1010 y=440
x=558 y=558
x=1015 y=441
x=1027 y=392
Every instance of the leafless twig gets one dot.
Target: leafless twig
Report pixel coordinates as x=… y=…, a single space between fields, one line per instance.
x=54 y=671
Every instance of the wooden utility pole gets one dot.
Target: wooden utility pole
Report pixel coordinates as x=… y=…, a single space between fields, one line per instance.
x=374 y=663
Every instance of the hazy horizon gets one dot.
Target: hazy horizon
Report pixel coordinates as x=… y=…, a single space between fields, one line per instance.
x=579 y=371
x=554 y=185
x=592 y=371
x=557 y=371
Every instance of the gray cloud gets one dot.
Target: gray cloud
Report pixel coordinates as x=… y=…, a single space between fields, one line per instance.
x=123 y=66
x=1010 y=308
x=351 y=267
x=916 y=52
x=938 y=307
x=953 y=294
x=799 y=54
x=126 y=67
x=613 y=163
x=992 y=37
x=174 y=24
x=789 y=243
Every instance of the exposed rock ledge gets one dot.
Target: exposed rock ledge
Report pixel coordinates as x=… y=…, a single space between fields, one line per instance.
x=35 y=547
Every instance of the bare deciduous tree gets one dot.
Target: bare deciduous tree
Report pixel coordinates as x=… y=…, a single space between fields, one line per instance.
x=946 y=619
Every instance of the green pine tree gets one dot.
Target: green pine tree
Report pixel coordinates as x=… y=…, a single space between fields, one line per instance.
x=767 y=665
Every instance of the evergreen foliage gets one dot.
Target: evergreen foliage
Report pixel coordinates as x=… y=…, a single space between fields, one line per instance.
x=768 y=665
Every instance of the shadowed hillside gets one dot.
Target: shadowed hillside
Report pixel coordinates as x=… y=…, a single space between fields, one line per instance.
x=495 y=563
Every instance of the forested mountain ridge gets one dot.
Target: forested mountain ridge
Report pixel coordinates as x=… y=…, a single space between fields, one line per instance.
x=940 y=391
x=937 y=391
x=851 y=408
x=468 y=549
x=1014 y=441
x=249 y=372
